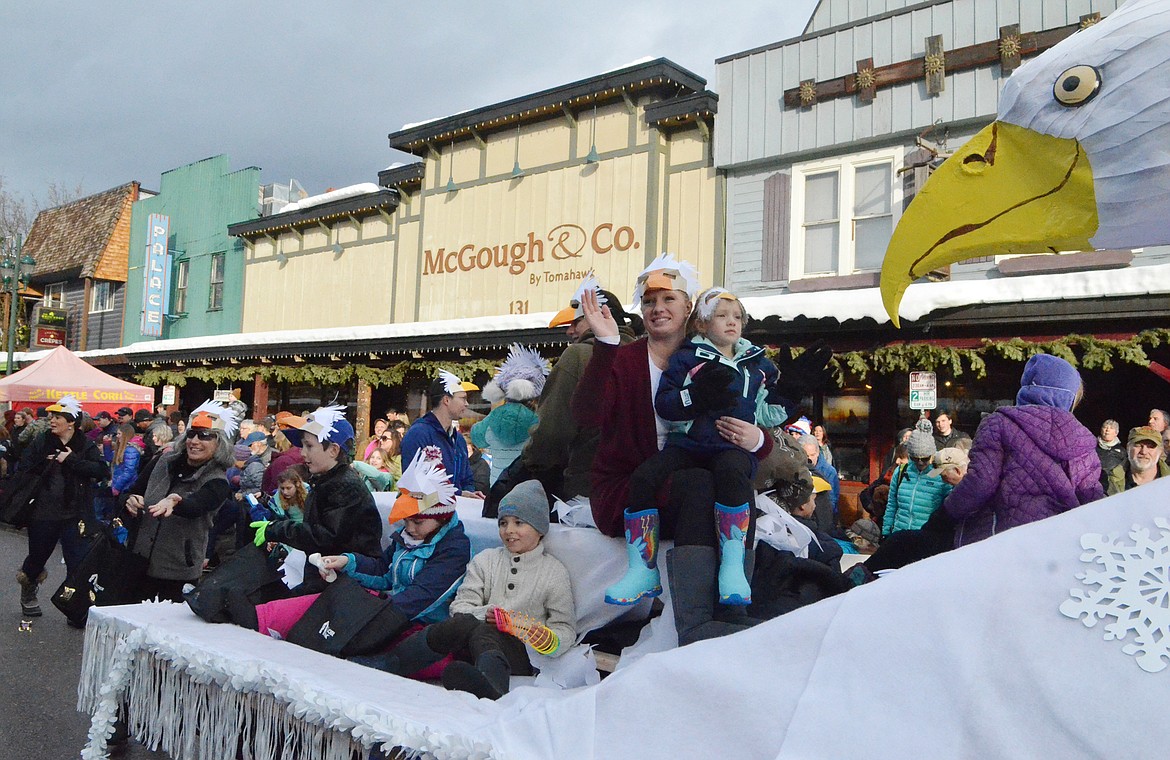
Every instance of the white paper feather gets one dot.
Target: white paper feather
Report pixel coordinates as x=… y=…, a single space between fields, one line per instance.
x=428 y=478
x=451 y=383
x=323 y=419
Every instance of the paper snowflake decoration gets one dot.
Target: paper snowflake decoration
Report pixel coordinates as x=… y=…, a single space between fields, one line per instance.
x=1131 y=584
x=667 y=272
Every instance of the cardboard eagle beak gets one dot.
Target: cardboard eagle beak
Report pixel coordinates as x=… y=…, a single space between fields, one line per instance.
x=1009 y=190
x=405 y=506
x=469 y=387
x=662 y=280
x=563 y=317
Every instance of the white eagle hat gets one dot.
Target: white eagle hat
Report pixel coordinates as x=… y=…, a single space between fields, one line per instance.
x=424 y=490
x=573 y=311
x=213 y=415
x=328 y=424
x=66 y=406
x=667 y=273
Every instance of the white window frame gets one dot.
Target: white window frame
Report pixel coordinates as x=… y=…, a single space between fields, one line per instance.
x=54 y=295
x=105 y=303
x=182 y=279
x=212 y=282
x=845 y=166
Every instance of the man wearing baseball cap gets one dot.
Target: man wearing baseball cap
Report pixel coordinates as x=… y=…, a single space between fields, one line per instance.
x=435 y=430
x=1143 y=461
x=125 y=415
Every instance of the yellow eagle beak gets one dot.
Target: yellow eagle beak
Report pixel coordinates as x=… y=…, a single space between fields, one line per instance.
x=1008 y=190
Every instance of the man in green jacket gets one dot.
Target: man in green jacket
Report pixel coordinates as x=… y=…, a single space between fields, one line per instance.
x=1143 y=461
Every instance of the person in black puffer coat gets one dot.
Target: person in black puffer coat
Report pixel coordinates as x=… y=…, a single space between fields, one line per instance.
x=68 y=463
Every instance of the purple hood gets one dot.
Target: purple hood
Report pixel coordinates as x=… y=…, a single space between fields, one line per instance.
x=1028 y=462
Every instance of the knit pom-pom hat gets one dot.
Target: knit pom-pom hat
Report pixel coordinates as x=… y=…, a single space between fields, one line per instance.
x=921 y=443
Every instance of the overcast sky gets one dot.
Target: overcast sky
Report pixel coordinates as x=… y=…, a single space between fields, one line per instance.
x=98 y=94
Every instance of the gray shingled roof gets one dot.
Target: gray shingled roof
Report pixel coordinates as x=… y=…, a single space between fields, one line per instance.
x=74 y=235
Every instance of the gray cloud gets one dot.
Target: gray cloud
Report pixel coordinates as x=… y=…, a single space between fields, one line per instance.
x=102 y=93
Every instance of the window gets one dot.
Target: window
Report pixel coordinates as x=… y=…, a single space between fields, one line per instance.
x=101 y=297
x=179 y=302
x=844 y=211
x=54 y=295
x=215 y=296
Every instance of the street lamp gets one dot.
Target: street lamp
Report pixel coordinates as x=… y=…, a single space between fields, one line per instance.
x=16 y=271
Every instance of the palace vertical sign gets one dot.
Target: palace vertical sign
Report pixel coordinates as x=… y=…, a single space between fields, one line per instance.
x=157 y=277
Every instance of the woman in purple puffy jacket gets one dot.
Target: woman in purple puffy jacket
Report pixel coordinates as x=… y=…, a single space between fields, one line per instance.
x=1029 y=461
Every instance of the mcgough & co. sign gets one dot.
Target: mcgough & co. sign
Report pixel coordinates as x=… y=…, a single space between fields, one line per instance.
x=563 y=242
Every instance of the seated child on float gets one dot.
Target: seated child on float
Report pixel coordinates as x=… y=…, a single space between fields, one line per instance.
x=419 y=570
x=511 y=596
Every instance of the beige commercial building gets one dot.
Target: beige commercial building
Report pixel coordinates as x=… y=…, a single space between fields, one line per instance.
x=509 y=207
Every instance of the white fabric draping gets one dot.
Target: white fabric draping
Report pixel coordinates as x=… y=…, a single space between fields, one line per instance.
x=964 y=655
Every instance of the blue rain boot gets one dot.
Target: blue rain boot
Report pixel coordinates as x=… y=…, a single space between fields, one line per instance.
x=733 y=525
x=642 y=579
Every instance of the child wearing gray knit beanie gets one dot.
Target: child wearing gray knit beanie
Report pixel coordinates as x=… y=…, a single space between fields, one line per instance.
x=527 y=502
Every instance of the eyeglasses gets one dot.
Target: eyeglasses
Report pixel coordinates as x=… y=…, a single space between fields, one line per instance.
x=202 y=434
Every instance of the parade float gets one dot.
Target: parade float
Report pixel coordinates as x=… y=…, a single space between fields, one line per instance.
x=1047 y=640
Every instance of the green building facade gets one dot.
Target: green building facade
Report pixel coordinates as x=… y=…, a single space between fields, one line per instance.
x=205 y=281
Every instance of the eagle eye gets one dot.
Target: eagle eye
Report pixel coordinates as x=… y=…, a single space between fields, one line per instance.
x=1077 y=86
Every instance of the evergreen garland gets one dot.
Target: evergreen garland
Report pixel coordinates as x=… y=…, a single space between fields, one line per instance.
x=1079 y=350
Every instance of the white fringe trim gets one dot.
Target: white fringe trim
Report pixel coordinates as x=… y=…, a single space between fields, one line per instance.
x=194 y=705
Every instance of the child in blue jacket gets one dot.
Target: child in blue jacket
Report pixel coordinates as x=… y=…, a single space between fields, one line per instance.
x=717 y=373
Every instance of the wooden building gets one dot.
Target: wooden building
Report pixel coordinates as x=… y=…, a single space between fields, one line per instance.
x=824 y=140
x=81 y=250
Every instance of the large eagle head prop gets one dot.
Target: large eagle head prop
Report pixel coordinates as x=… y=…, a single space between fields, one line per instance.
x=1077 y=159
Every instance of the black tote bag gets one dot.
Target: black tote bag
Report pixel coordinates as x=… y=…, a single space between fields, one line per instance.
x=346 y=619
x=109 y=574
x=247 y=571
x=19 y=501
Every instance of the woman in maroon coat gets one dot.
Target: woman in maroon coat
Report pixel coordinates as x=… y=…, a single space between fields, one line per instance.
x=616 y=395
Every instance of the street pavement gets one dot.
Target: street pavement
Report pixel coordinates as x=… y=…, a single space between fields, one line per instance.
x=39 y=669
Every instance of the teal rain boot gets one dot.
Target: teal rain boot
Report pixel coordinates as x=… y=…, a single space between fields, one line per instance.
x=642 y=578
x=733 y=529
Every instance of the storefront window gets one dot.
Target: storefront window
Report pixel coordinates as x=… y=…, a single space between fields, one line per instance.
x=215 y=297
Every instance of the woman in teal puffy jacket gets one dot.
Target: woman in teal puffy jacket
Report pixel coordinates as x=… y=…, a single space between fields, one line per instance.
x=914 y=492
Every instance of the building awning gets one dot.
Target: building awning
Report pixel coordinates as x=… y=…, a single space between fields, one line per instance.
x=925 y=298
x=477 y=332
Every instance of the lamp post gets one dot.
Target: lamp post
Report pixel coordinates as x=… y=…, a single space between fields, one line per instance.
x=16 y=270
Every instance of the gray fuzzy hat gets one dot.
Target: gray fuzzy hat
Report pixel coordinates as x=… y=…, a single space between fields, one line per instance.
x=528 y=503
x=921 y=443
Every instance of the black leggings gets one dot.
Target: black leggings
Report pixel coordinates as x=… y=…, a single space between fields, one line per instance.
x=468 y=637
x=687 y=515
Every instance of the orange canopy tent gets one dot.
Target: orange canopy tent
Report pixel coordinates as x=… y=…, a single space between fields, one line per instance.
x=63 y=373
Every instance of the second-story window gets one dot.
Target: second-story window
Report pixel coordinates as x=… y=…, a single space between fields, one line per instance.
x=844 y=211
x=215 y=296
x=101 y=297
x=179 y=303
x=54 y=295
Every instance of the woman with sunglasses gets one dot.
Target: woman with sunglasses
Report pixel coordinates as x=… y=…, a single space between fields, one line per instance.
x=915 y=493
x=176 y=498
